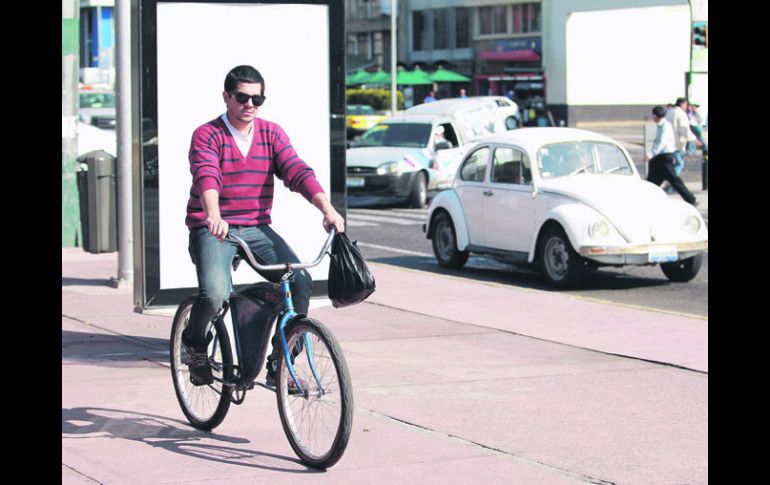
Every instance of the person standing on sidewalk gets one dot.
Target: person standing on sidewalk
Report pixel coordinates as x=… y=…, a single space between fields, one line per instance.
x=696 y=126
x=661 y=157
x=677 y=116
x=233 y=159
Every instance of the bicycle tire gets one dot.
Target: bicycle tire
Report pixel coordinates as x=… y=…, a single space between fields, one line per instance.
x=331 y=410
x=205 y=407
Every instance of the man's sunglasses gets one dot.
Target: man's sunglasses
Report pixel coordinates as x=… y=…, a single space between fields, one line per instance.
x=256 y=100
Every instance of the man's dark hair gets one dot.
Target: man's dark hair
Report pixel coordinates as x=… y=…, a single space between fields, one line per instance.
x=679 y=101
x=243 y=74
x=659 y=111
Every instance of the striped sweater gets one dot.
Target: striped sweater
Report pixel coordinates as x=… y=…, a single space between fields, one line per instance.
x=245 y=184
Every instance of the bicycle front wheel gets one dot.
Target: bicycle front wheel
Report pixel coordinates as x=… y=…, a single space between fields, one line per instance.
x=204 y=406
x=318 y=420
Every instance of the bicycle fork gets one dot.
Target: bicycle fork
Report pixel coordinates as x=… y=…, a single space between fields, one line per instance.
x=288 y=315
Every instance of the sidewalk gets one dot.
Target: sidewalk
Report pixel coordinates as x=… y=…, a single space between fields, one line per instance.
x=455 y=382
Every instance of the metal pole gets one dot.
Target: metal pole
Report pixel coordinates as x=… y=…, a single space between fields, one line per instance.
x=123 y=129
x=644 y=146
x=70 y=207
x=393 y=56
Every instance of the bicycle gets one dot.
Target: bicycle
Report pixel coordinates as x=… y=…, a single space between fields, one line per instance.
x=316 y=412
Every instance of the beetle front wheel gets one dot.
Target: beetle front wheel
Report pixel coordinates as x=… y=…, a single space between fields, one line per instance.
x=560 y=264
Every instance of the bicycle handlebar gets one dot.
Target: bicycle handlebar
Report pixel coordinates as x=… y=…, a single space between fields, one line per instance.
x=283 y=266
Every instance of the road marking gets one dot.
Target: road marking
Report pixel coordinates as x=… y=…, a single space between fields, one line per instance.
x=355 y=223
x=394 y=250
x=390 y=220
x=416 y=214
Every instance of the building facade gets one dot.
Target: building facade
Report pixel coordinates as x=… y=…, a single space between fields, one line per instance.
x=97 y=41
x=587 y=60
x=367 y=42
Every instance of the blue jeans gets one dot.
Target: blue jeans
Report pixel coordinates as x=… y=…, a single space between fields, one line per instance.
x=213 y=263
x=678 y=162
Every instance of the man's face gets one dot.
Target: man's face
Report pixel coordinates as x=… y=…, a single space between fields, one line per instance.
x=246 y=112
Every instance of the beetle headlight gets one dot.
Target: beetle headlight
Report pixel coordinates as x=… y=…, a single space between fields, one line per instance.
x=388 y=168
x=691 y=225
x=599 y=230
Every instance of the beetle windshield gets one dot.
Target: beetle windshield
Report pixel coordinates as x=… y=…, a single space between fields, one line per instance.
x=412 y=135
x=580 y=157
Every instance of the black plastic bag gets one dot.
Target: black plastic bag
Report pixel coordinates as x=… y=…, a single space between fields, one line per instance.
x=350 y=281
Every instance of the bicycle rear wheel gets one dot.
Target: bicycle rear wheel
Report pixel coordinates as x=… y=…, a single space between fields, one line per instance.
x=204 y=406
x=318 y=421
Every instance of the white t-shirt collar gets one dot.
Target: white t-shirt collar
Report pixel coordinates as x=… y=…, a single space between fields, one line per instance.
x=243 y=141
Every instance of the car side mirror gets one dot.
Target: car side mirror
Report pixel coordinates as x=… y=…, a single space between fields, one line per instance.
x=442 y=145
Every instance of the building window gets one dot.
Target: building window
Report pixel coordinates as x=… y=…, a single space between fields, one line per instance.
x=526 y=18
x=419 y=30
x=351 y=44
x=441 y=28
x=364 y=49
x=493 y=20
x=463 y=22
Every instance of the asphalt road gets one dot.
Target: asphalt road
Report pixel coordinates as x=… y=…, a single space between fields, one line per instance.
x=394 y=236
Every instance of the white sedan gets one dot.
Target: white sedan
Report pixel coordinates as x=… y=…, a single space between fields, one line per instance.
x=565 y=199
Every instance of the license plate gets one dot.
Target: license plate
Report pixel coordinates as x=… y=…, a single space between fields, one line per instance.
x=355 y=182
x=663 y=254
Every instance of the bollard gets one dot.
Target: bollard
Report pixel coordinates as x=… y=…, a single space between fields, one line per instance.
x=705 y=172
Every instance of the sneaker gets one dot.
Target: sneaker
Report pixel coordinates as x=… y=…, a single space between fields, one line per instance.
x=198 y=363
x=696 y=202
x=270 y=381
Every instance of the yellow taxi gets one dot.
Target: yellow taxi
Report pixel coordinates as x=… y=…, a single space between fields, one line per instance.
x=361 y=117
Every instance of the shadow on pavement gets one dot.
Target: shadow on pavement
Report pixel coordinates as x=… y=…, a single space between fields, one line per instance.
x=110 y=348
x=489 y=270
x=166 y=433
x=83 y=282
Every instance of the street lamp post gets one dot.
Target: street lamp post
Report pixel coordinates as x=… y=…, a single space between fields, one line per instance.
x=393 y=73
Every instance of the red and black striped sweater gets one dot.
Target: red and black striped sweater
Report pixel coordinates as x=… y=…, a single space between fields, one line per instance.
x=244 y=183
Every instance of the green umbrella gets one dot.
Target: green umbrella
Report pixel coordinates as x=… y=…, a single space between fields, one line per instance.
x=418 y=76
x=442 y=75
x=379 y=77
x=358 y=77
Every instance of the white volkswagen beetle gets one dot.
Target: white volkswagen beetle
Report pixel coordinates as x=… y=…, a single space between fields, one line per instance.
x=565 y=199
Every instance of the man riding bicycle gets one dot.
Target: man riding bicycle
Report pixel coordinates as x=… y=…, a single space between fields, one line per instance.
x=232 y=160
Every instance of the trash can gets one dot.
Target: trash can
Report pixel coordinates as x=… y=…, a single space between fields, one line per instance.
x=97 y=189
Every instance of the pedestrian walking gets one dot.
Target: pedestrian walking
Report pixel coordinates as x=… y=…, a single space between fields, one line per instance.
x=696 y=126
x=677 y=116
x=661 y=157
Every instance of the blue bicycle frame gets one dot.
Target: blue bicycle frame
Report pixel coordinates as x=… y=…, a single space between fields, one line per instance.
x=289 y=312
x=286 y=316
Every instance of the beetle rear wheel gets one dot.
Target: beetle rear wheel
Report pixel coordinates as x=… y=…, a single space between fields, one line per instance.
x=445 y=243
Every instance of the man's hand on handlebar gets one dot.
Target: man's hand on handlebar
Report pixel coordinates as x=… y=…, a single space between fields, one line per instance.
x=218 y=227
x=333 y=218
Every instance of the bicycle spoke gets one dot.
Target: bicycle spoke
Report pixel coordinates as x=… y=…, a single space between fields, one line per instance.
x=317 y=422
